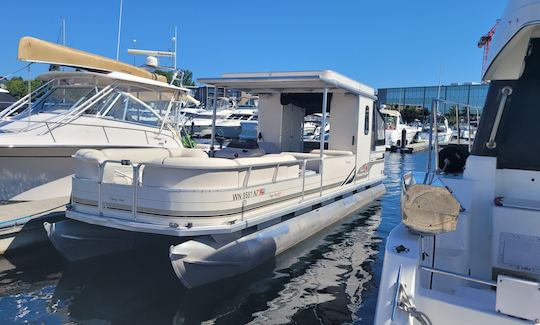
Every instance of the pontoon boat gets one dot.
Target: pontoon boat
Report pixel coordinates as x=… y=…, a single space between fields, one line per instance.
x=241 y=205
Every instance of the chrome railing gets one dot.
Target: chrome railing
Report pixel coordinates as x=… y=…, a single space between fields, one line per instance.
x=458 y=276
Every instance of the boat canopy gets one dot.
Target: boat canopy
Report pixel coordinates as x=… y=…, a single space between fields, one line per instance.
x=390 y=112
x=35 y=50
x=290 y=82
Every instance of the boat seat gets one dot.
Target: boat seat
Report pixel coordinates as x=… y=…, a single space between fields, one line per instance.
x=310 y=165
x=87 y=166
x=262 y=175
x=215 y=173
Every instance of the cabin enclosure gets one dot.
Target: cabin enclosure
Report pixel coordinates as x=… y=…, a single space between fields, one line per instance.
x=285 y=99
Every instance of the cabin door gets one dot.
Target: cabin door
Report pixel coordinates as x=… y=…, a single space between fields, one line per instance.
x=292 y=132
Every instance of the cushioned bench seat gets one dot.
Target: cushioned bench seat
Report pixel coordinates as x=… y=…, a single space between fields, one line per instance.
x=218 y=173
x=89 y=160
x=192 y=173
x=262 y=175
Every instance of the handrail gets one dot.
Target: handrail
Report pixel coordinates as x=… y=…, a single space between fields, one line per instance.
x=458 y=275
x=15 y=106
x=506 y=92
x=77 y=111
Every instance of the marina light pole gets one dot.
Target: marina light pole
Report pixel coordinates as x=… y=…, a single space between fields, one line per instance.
x=119 y=28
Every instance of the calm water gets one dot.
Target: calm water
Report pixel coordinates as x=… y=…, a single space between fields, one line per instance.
x=331 y=279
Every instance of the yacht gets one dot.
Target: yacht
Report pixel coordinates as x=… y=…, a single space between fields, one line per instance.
x=199 y=121
x=229 y=210
x=395 y=127
x=312 y=125
x=444 y=131
x=231 y=127
x=120 y=107
x=467 y=250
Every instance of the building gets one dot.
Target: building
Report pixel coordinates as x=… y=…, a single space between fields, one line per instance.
x=422 y=97
x=205 y=94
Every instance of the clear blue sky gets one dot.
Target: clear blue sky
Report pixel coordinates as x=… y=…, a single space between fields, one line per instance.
x=383 y=43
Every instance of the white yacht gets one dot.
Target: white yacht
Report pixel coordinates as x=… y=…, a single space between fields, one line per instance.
x=198 y=122
x=444 y=131
x=468 y=248
x=231 y=127
x=312 y=125
x=395 y=126
x=236 y=207
x=78 y=109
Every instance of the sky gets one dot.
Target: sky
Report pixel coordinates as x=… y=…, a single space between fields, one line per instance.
x=382 y=43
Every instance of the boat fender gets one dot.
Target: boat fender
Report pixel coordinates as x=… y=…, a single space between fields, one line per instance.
x=452 y=158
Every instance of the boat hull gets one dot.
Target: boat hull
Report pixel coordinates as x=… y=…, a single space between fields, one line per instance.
x=78 y=241
x=204 y=260
x=24 y=168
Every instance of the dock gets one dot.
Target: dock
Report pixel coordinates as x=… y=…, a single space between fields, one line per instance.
x=21 y=223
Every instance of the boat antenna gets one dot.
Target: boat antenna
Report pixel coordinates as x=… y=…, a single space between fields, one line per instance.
x=175 y=40
x=63 y=31
x=119 y=28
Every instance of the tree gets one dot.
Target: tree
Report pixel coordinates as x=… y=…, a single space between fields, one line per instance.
x=410 y=114
x=18 y=87
x=187 y=79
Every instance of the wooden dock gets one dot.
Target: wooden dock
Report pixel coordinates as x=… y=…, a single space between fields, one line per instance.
x=21 y=223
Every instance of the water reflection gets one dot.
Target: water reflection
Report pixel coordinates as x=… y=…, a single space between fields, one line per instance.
x=330 y=278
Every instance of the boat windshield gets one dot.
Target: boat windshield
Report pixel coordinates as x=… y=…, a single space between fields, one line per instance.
x=60 y=100
x=133 y=105
x=390 y=122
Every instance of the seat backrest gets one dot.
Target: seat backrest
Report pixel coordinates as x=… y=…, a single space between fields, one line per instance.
x=195 y=173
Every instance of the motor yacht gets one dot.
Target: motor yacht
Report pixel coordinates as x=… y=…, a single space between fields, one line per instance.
x=395 y=127
x=444 y=131
x=199 y=121
x=231 y=127
x=119 y=107
x=229 y=210
x=467 y=250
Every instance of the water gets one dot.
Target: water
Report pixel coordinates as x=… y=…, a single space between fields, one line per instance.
x=330 y=279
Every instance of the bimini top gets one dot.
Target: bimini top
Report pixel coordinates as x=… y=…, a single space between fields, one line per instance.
x=290 y=82
x=107 y=78
x=520 y=23
x=390 y=112
x=36 y=50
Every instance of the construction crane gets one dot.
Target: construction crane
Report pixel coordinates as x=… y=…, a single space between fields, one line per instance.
x=485 y=42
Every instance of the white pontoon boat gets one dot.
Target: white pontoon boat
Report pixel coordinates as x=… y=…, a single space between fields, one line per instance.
x=78 y=109
x=242 y=206
x=468 y=248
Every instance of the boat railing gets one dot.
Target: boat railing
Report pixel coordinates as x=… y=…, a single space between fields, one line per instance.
x=50 y=126
x=136 y=181
x=21 y=102
x=458 y=276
